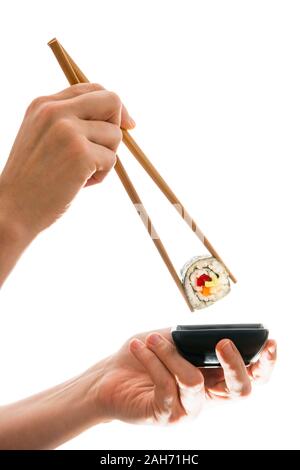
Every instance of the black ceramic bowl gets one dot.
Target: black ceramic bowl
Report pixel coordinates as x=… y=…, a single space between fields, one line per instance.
x=197 y=343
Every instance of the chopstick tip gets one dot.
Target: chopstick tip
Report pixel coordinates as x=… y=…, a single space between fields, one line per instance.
x=52 y=41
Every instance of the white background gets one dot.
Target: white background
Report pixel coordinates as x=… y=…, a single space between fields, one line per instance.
x=214 y=88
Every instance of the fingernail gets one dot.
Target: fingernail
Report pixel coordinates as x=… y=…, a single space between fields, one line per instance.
x=131 y=122
x=155 y=339
x=227 y=348
x=272 y=349
x=137 y=344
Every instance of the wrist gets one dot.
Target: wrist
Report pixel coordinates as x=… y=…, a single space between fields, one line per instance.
x=97 y=378
x=12 y=230
x=12 y=233
x=52 y=417
x=14 y=238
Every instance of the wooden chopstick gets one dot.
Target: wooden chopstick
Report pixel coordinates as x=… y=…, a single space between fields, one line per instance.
x=167 y=191
x=155 y=175
x=131 y=191
x=74 y=75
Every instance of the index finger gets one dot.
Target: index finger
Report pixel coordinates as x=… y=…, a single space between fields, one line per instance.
x=189 y=378
x=87 y=106
x=185 y=372
x=99 y=105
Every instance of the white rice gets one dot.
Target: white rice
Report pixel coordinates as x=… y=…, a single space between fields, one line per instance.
x=220 y=284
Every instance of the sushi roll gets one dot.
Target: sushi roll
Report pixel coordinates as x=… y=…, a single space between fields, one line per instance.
x=205 y=280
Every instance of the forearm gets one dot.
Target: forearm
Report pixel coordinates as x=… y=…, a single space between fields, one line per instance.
x=49 y=419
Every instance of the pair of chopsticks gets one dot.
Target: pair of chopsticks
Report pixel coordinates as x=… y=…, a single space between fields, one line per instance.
x=75 y=75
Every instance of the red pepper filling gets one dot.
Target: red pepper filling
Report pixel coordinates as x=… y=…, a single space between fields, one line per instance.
x=201 y=280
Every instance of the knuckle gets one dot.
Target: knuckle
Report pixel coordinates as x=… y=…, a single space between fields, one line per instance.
x=63 y=129
x=78 y=147
x=116 y=136
x=79 y=88
x=63 y=124
x=167 y=348
x=114 y=100
x=108 y=161
x=193 y=381
x=47 y=111
x=245 y=390
x=168 y=386
x=96 y=86
x=76 y=151
x=232 y=370
x=119 y=134
x=36 y=103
